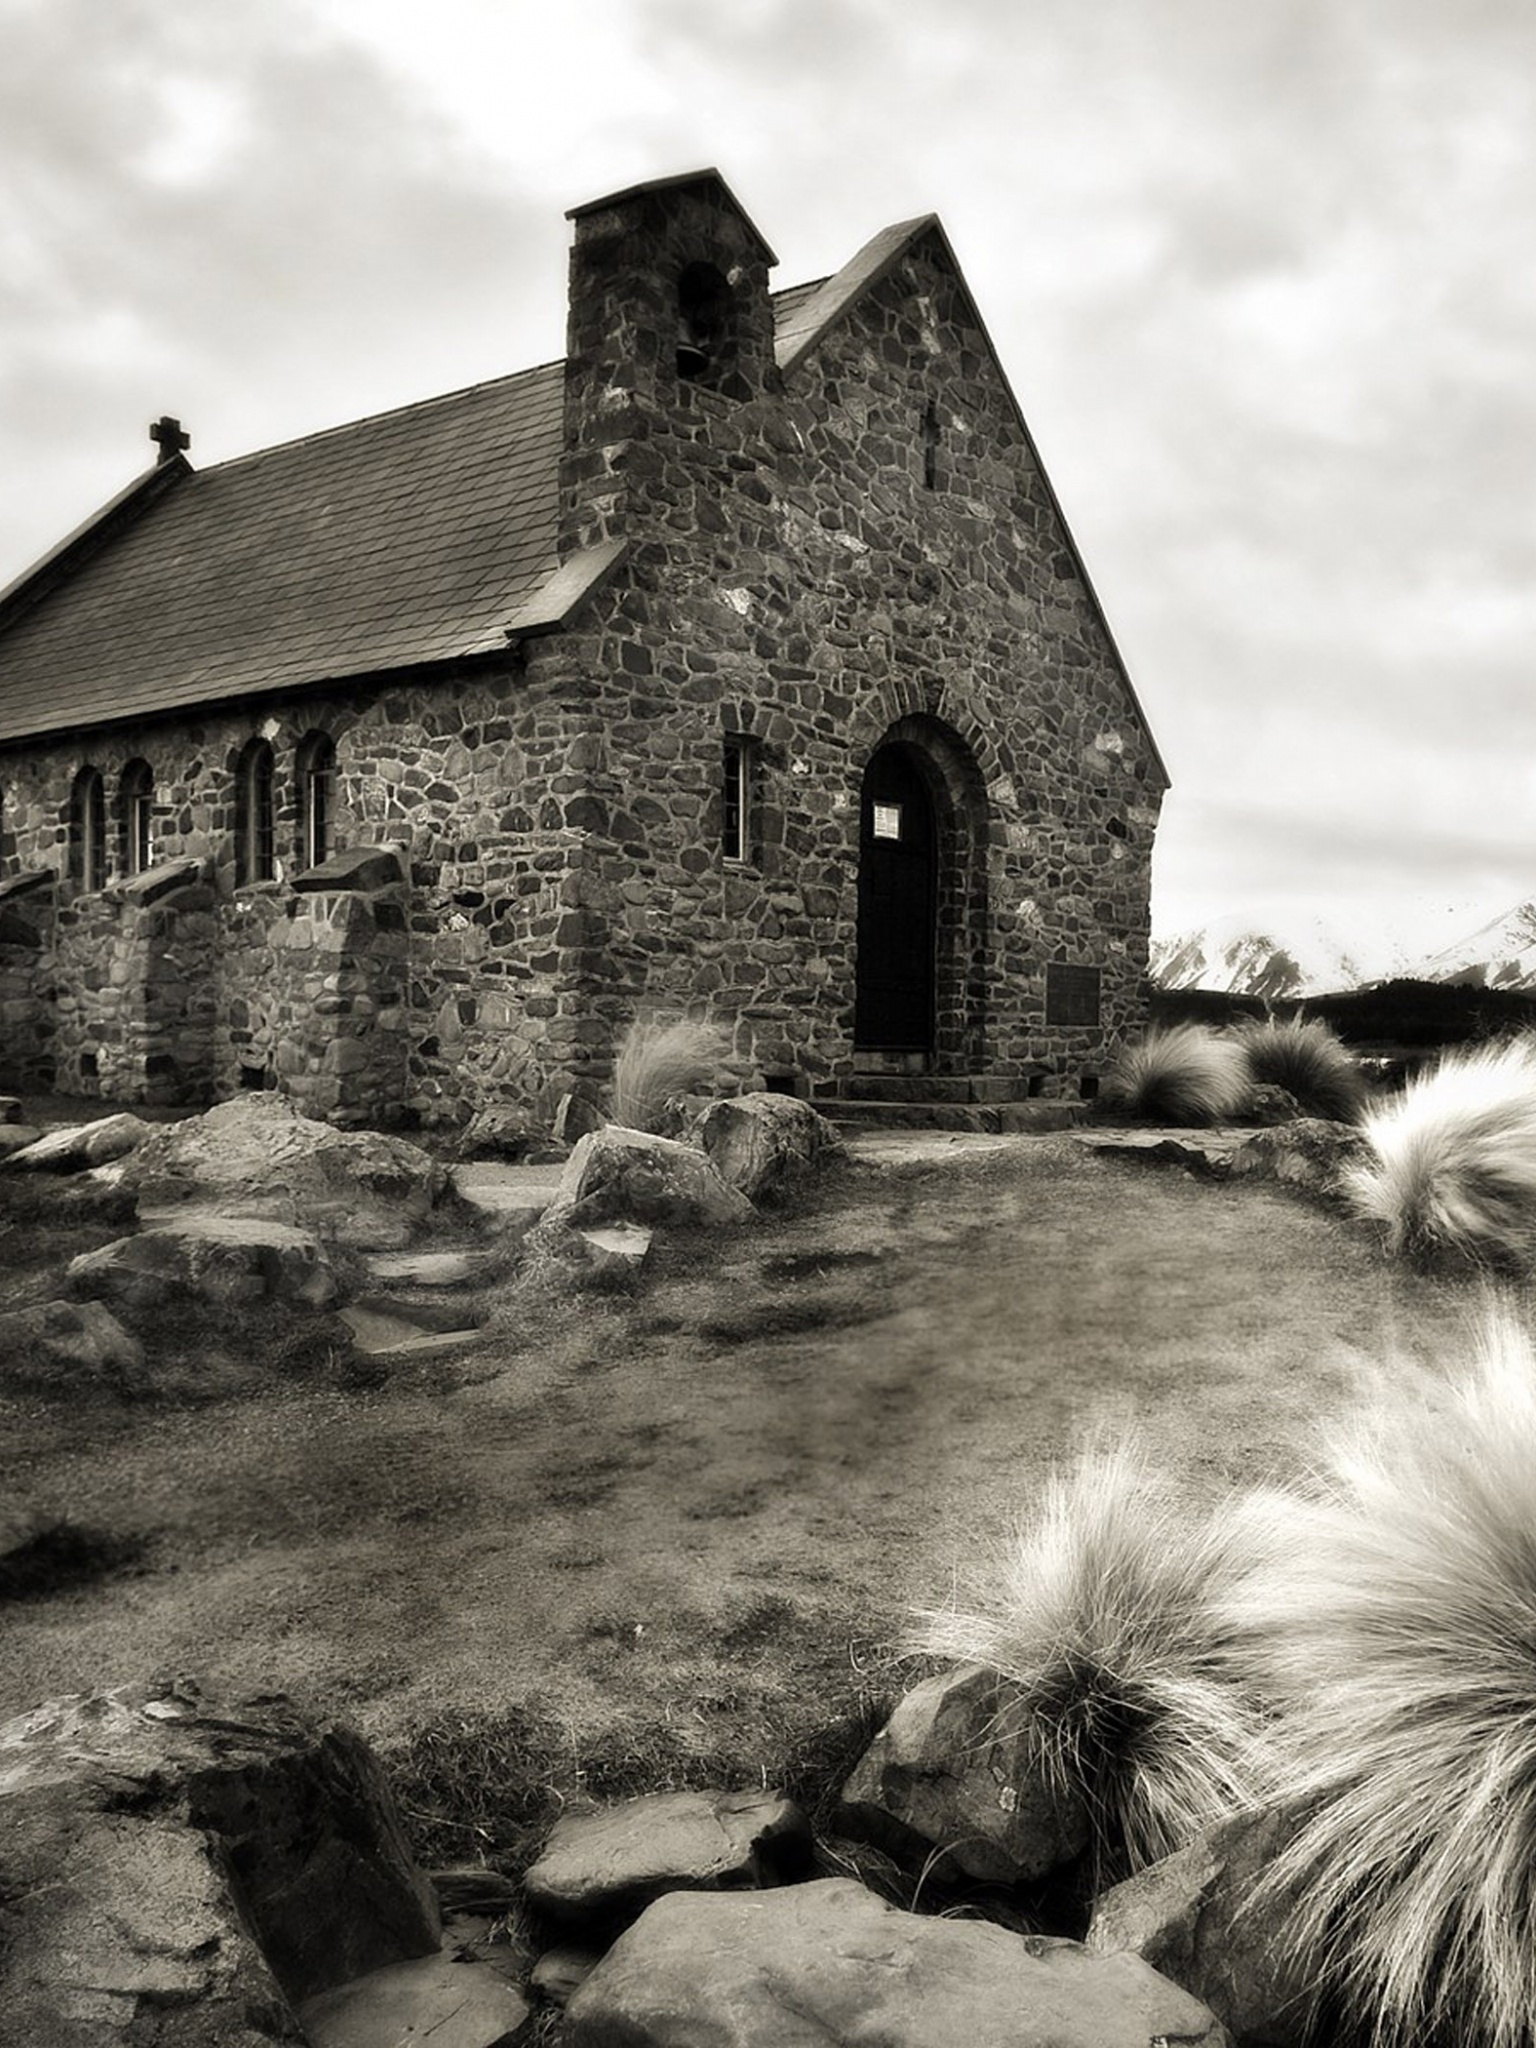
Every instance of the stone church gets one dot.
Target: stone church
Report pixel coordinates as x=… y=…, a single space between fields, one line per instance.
x=741 y=665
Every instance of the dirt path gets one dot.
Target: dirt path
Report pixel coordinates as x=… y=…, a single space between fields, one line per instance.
x=652 y=1508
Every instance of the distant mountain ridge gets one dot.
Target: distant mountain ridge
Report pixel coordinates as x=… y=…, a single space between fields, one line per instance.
x=1311 y=959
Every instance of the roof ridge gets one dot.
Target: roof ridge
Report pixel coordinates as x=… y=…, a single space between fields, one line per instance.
x=371 y=419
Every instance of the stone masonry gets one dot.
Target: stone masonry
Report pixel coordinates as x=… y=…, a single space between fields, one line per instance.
x=824 y=546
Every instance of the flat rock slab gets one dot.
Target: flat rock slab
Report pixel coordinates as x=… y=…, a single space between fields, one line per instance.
x=430 y=1269
x=78 y=1146
x=823 y=1963
x=63 y=1342
x=439 y=2001
x=952 y=1782
x=922 y=1148
x=226 y=1260
x=511 y=1199
x=624 y=1246
x=607 y=1866
x=16 y=1138
x=1206 y=1152
x=377 y=1334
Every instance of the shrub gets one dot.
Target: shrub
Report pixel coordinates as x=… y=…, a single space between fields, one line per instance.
x=1109 y=1613
x=1453 y=1159
x=660 y=1060
x=1403 y=1632
x=1308 y=1059
x=1181 y=1072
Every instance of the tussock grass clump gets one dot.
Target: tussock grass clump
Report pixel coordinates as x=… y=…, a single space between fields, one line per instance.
x=1308 y=1059
x=1402 y=1620
x=1182 y=1073
x=1108 y=1612
x=661 y=1059
x=1453 y=1159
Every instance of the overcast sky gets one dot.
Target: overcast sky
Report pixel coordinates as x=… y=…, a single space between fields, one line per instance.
x=1260 y=272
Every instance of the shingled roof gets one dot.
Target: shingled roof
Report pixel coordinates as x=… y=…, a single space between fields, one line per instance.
x=409 y=537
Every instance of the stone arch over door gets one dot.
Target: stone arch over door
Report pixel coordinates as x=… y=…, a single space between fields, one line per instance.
x=922 y=960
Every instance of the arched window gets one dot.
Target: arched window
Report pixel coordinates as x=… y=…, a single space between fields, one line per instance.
x=88 y=830
x=137 y=808
x=317 y=798
x=705 y=305
x=255 y=818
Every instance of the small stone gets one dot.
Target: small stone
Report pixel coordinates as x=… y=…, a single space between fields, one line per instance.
x=608 y=1865
x=560 y=1972
x=54 y=1342
x=439 y=2000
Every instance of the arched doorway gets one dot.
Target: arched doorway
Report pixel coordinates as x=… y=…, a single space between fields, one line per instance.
x=898 y=904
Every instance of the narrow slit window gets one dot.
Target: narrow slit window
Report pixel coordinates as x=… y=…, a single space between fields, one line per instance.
x=317 y=799
x=88 y=830
x=138 y=799
x=930 y=446
x=255 y=820
x=736 y=800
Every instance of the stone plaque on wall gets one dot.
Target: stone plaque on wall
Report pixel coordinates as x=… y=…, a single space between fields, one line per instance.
x=1071 y=994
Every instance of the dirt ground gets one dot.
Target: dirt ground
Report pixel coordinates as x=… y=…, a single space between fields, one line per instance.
x=653 y=1508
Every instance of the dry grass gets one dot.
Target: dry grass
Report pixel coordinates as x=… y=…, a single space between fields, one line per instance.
x=1108 y=1612
x=660 y=1060
x=1183 y=1074
x=1402 y=1625
x=1307 y=1058
x=1453 y=1165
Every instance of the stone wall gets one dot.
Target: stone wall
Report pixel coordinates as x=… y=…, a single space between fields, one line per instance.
x=799 y=579
x=28 y=1015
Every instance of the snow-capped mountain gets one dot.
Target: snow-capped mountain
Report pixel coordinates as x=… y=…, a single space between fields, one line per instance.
x=1304 y=959
x=1500 y=954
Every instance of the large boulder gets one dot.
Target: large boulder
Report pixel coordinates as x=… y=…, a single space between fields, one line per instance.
x=1189 y=1917
x=178 y=1873
x=259 y=1156
x=830 y=1962
x=622 y=1176
x=78 y=1146
x=952 y=1784
x=764 y=1143
x=225 y=1260
x=608 y=1865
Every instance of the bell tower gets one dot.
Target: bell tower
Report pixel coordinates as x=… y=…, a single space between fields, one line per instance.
x=669 y=327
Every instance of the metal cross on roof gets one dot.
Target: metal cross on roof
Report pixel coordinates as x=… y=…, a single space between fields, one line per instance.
x=167 y=433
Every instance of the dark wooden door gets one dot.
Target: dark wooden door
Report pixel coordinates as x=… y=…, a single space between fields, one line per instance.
x=897 y=896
